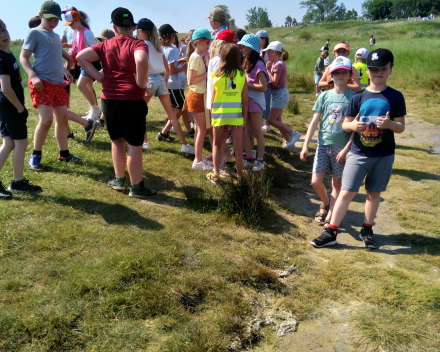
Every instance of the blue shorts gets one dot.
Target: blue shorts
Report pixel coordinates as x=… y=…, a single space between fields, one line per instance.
x=157 y=84
x=84 y=73
x=317 y=78
x=280 y=98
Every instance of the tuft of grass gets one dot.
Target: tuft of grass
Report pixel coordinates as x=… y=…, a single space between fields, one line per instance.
x=305 y=34
x=293 y=105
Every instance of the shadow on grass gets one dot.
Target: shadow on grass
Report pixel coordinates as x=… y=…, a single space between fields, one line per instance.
x=407 y=147
x=113 y=214
x=415 y=175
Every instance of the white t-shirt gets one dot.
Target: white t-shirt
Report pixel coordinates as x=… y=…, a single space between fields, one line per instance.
x=213 y=65
x=327 y=61
x=89 y=38
x=155 y=59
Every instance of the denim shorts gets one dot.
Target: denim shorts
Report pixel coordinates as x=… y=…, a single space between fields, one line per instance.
x=317 y=78
x=157 y=84
x=280 y=98
x=84 y=73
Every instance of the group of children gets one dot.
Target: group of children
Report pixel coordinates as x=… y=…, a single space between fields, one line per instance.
x=228 y=84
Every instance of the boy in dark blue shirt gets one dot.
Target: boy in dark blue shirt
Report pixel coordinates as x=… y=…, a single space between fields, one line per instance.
x=375 y=113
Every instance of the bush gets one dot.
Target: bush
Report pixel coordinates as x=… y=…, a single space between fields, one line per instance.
x=306 y=35
x=300 y=81
x=293 y=106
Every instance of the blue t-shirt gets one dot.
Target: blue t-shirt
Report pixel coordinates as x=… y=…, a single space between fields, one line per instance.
x=375 y=142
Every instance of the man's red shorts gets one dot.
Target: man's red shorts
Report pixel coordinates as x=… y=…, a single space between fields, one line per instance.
x=52 y=94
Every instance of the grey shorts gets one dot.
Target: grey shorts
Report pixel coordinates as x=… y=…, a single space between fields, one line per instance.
x=280 y=98
x=377 y=171
x=157 y=84
x=325 y=160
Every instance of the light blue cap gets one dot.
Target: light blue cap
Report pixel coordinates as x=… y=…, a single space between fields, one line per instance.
x=252 y=41
x=262 y=34
x=200 y=33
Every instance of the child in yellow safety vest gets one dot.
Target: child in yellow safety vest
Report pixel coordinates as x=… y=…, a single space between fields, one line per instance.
x=229 y=105
x=360 y=64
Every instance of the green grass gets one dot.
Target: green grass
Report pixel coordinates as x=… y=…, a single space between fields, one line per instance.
x=85 y=268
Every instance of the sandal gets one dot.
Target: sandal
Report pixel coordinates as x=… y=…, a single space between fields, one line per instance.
x=322 y=213
x=215 y=179
x=226 y=171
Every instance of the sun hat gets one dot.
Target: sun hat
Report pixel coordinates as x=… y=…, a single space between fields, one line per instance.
x=227 y=35
x=51 y=9
x=341 y=46
x=122 y=17
x=166 y=29
x=217 y=13
x=200 y=33
x=70 y=17
x=251 y=41
x=262 y=34
x=69 y=8
x=362 y=53
x=340 y=62
x=325 y=47
x=380 y=58
x=276 y=46
x=105 y=35
x=145 y=24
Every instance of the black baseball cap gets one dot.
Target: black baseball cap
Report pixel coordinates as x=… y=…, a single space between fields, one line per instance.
x=166 y=29
x=145 y=24
x=380 y=58
x=122 y=17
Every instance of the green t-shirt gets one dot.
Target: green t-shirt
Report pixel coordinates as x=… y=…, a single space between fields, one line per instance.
x=332 y=107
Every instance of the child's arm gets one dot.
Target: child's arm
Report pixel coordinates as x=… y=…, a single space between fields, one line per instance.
x=5 y=83
x=323 y=83
x=24 y=60
x=194 y=79
x=174 y=69
x=356 y=86
x=397 y=125
x=167 y=68
x=85 y=58
x=69 y=59
x=352 y=124
x=141 y=76
x=311 y=130
x=262 y=86
x=274 y=79
x=340 y=158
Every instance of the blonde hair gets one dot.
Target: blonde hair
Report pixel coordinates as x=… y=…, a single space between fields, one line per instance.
x=189 y=36
x=191 y=48
x=358 y=59
x=154 y=38
x=216 y=46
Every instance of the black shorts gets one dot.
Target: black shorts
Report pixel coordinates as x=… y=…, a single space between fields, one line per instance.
x=177 y=98
x=126 y=119
x=75 y=72
x=13 y=124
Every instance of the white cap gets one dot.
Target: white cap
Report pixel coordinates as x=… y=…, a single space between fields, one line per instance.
x=340 y=62
x=275 y=46
x=362 y=53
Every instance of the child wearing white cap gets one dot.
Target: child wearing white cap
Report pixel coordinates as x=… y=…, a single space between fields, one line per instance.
x=360 y=63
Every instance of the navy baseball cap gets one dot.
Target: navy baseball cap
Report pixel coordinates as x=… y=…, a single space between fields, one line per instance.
x=145 y=24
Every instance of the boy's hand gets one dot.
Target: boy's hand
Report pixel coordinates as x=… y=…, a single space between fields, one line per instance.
x=69 y=77
x=358 y=126
x=340 y=158
x=269 y=65
x=37 y=83
x=383 y=122
x=304 y=153
x=100 y=78
x=148 y=92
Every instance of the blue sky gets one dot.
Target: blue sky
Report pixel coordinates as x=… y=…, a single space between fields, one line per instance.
x=182 y=15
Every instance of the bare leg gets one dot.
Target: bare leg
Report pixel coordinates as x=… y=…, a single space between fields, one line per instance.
x=237 y=134
x=276 y=121
x=76 y=118
x=217 y=152
x=85 y=85
x=18 y=158
x=341 y=207
x=6 y=149
x=119 y=156
x=200 y=121
x=319 y=187
x=336 y=189
x=166 y=103
x=185 y=119
x=256 y=119
x=245 y=138
x=46 y=119
x=371 y=206
x=134 y=164
x=61 y=126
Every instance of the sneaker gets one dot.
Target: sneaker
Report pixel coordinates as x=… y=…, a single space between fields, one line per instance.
x=101 y=124
x=201 y=165
x=4 y=193
x=247 y=165
x=192 y=125
x=172 y=130
x=265 y=128
x=293 y=138
x=164 y=137
x=146 y=145
x=24 y=186
x=190 y=134
x=327 y=238
x=229 y=140
x=93 y=114
x=226 y=171
x=187 y=149
x=258 y=166
x=118 y=183
x=90 y=129
x=208 y=162
x=70 y=158
x=71 y=136
x=139 y=191
x=367 y=236
x=35 y=162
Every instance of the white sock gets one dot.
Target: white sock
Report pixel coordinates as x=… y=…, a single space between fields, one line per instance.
x=94 y=107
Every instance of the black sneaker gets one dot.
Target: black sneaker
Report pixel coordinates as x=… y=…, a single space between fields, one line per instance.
x=70 y=158
x=4 y=193
x=190 y=134
x=90 y=129
x=24 y=186
x=327 y=238
x=101 y=124
x=71 y=136
x=367 y=236
x=164 y=137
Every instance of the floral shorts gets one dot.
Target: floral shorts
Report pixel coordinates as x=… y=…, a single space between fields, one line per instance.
x=52 y=94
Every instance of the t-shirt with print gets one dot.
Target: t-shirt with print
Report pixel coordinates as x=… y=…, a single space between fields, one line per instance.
x=332 y=107
x=89 y=38
x=47 y=49
x=10 y=67
x=69 y=33
x=319 y=64
x=119 y=67
x=280 y=68
x=375 y=142
x=252 y=76
x=196 y=64
x=155 y=59
x=172 y=55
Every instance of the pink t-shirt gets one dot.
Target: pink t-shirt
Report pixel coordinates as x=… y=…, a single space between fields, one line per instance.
x=252 y=77
x=281 y=69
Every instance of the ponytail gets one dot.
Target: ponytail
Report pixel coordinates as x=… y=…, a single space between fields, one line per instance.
x=84 y=20
x=285 y=56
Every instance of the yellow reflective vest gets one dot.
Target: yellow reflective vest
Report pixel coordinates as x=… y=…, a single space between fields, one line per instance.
x=362 y=69
x=227 y=108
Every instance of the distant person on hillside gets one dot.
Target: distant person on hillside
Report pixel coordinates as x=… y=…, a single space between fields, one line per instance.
x=372 y=40
x=374 y=114
x=319 y=68
x=341 y=49
x=327 y=43
x=360 y=64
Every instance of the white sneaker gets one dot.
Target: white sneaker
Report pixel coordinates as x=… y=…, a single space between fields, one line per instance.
x=146 y=145
x=254 y=153
x=265 y=128
x=201 y=165
x=258 y=167
x=94 y=114
x=172 y=130
x=187 y=149
x=293 y=138
x=247 y=165
x=85 y=117
x=191 y=124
